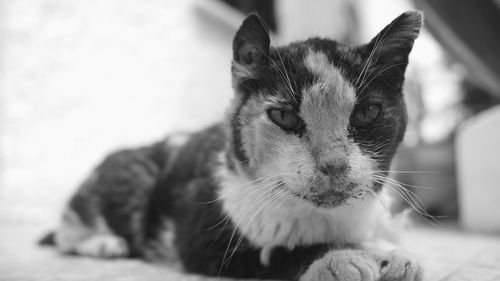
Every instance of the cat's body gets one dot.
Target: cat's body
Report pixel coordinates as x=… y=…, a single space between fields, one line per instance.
x=288 y=187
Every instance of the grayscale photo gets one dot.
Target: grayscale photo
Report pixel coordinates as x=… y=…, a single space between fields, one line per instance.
x=193 y=140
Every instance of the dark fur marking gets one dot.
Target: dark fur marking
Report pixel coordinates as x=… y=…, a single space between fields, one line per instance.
x=237 y=143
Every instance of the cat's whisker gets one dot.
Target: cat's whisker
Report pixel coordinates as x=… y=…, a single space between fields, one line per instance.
x=287 y=195
x=246 y=185
x=255 y=190
x=409 y=197
x=418 y=186
x=408 y=192
x=410 y=185
x=411 y=194
x=282 y=74
x=379 y=73
x=386 y=181
x=408 y=172
x=364 y=67
x=377 y=197
x=220 y=232
x=225 y=218
x=288 y=78
x=404 y=198
x=262 y=179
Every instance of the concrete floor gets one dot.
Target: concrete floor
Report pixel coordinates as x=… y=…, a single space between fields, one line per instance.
x=446 y=254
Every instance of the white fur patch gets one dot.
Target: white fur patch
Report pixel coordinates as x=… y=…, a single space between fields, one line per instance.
x=99 y=241
x=178 y=139
x=288 y=221
x=103 y=246
x=163 y=248
x=328 y=103
x=174 y=143
x=241 y=71
x=71 y=232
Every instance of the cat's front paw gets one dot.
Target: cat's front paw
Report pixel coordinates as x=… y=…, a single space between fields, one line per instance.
x=343 y=265
x=104 y=246
x=400 y=266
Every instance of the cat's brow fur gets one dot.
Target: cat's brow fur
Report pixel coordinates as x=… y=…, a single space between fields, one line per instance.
x=247 y=198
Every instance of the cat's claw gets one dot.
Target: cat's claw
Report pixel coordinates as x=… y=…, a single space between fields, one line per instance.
x=343 y=265
x=400 y=266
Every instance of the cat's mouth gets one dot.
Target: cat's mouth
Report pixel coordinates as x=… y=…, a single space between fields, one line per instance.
x=330 y=198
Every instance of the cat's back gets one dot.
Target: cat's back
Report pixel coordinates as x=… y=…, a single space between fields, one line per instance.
x=198 y=154
x=193 y=158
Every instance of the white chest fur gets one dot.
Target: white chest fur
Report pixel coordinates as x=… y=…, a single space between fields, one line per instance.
x=271 y=218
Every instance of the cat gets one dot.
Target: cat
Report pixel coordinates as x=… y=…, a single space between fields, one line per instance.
x=287 y=187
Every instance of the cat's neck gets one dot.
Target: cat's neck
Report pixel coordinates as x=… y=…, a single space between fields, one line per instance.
x=269 y=216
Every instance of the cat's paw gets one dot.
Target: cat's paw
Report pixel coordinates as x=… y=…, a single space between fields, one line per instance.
x=343 y=265
x=103 y=246
x=400 y=266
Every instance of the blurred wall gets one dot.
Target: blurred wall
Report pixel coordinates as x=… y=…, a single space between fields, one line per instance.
x=81 y=78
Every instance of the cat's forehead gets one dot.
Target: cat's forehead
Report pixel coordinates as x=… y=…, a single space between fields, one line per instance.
x=312 y=63
x=328 y=102
x=317 y=71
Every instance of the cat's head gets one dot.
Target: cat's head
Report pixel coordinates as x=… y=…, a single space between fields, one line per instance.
x=317 y=118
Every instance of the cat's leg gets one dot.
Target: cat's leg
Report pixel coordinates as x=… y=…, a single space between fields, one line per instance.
x=107 y=215
x=304 y=263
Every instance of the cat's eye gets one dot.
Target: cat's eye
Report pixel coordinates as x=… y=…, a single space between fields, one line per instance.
x=285 y=119
x=366 y=115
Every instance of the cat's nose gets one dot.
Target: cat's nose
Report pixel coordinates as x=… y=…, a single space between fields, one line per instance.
x=333 y=170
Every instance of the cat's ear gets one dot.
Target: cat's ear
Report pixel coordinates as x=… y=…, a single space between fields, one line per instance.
x=251 y=42
x=393 y=44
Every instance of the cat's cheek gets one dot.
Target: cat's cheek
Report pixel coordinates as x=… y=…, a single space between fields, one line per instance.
x=294 y=165
x=261 y=142
x=300 y=182
x=362 y=168
x=300 y=169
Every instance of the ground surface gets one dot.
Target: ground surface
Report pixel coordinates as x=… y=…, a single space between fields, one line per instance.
x=447 y=255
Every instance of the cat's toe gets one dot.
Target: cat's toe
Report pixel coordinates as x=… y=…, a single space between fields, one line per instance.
x=345 y=265
x=400 y=266
x=103 y=246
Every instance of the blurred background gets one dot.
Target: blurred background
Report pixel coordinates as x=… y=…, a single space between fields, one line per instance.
x=79 y=79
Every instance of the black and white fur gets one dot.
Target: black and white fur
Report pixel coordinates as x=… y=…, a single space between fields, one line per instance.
x=249 y=199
